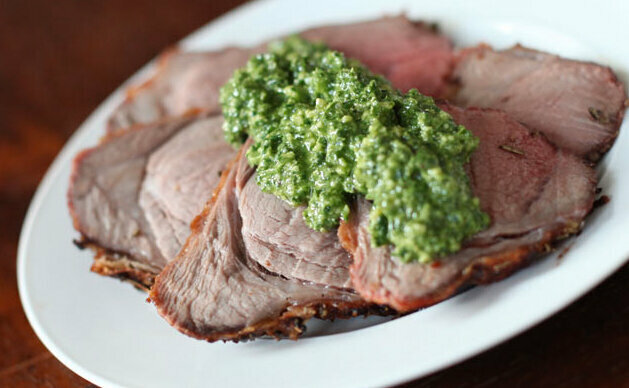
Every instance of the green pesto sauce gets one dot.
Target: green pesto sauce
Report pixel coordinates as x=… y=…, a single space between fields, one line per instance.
x=325 y=129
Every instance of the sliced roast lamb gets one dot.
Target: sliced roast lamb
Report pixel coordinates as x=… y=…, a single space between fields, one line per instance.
x=133 y=196
x=410 y=55
x=144 y=222
x=215 y=290
x=534 y=193
x=578 y=105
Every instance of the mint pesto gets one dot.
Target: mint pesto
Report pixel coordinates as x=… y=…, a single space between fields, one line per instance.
x=326 y=129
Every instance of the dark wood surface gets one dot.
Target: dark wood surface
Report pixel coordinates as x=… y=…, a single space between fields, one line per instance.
x=60 y=59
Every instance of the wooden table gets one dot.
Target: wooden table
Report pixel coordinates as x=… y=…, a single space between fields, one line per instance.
x=60 y=59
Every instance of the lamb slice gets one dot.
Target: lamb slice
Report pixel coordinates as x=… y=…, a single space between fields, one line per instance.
x=179 y=178
x=215 y=291
x=277 y=238
x=182 y=82
x=129 y=207
x=534 y=193
x=579 y=106
x=409 y=54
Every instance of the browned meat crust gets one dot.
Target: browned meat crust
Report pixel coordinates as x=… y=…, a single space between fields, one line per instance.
x=291 y=323
x=120 y=265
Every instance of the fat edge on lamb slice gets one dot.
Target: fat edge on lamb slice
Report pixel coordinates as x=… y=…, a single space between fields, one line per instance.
x=534 y=193
x=215 y=291
x=133 y=196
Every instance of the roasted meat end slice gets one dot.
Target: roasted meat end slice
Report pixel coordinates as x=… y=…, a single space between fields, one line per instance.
x=215 y=291
x=534 y=193
x=579 y=106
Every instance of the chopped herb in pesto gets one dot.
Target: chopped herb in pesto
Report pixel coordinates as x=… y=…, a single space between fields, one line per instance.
x=325 y=128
